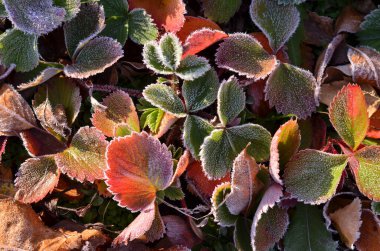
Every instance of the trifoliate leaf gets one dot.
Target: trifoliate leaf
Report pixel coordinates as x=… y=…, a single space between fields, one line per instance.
x=312 y=176
x=277 y=22
x=165 y=98
x=231 y=100
x=141 y=27
x=201 y=39
x=307 y=231
x=36 y=178
x=348 y=114
x=220 y=11
x=192 y=67
x=97 y=55
x=220 y=149
x=34 y=17
x=85 y=158
x=72 y=7
x=292 y=90
x=365 y=65
x=243 y=54
x=370 y=28
x=138 y=166
x=219 y=209
x=152 y=58
x=201 y=92
x=195 y=130
x=171 y=51
x=19 y=48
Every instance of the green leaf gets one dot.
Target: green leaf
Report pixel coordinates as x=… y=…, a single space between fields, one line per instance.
x=220 y=211
x=115 y=7
x=141 y=27
x=3 y=11
x=307 y=231
x=375 y=206
x=153 y=60
x=312 y=176
x=220 y=11
x=231 y=100
x=165 y=98
x=171 y=51
x=277 y=22
x=19 y=48
x=285 y=2
x=195 y=130
x=201 y=92
x=370 y=30
x=72 y=7
x=39 y=75
x=242 y=238
x=192 y=67
x=220 y=149
x=97 y=55
x=117 y=28
x=292 y=90
x=152 y=118
x=174 y=193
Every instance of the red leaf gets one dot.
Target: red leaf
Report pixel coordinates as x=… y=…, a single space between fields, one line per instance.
x=39 y=142
x=195 y=23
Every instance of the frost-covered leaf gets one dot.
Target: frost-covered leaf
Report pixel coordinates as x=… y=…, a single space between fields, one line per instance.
x=220 y=11
x=292 y=90
x=219 y=208
x=365 y=65
x=15 y=113
x=120 y=111
x=138 y=166
x=174 y=193
x=169 y=14
x=72 y=7
x=115 y=7
x=201 y=92
x=36 y=178
x=369 y=232
x=312 y=176
x=148 y=223
x=370 y=28
x=171 y=51
x=243 y=54
x=348 y=114
x=220 y=149
x=3 y=11
x=367 y=171
x=284 y=145
x=290 y=1
x=277 y=22
x=244 y=183
x=192 y=67
x=183 y=163
x=201 y=39
x=86 y=25
x=117 y=28
x=152 y=58
x=242 y=231
x=307 y=231
x=85 y=158
x=97 y=55
x=231 y=100
x=43 y=76
x=193 y=24
x=165 y=98
x=141 y=27
x=34 y=17
x=19 y=48
x=195 y=130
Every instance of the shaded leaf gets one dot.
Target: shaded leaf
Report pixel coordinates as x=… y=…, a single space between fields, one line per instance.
x=277 y=22
x=193 y=24
x=85 y=158
x=220 y=11
x=369 y=232
x=141 y=27
x=117 y=28
x=243 y=54
x=219 y=209
x=312 y=176
x=179 y=232
x=183 y=163
x=369 y=34
x=174 y=193
x=41 y=78
x=72 y=7
x=292 y=90
x=36 y=178
x=192 y=67
x=138 y=166
x=290 y=1
x=242 y=238
x=115 y=7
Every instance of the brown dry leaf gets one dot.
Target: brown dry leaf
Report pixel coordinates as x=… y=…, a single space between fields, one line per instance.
x=320 y=29
x=21 y=228
x=369 y=232
x=348 y=21
x=374 y=126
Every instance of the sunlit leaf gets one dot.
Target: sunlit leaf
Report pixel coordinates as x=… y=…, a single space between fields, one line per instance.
x=72 y=7
x=369 y=34
x=138 y=166
x=97 y=55
x=168 y=120
x=141 y=27
x=201 y=39
x=243 y=54
x=284 y=145
x=369 y=232
x=220 y=149
x=365 y=65
x=192 y=67
x=312 y=176
x=292 y=90
x=171 y=51
x=221 y=213
x=165 y=98
x=85 y=158
x=152 y=58
x=220 y=11
x=348 y=114
x=183 y=163
x=36 y=178
x=277 y=22
x=34 y=17
x=201 y=92
x=307 y=231
x=120 y=112
x=15 y=113
x=19 y=48
x=231 y=100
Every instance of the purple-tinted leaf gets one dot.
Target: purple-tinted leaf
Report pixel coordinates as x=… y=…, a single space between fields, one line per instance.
x=72 y=7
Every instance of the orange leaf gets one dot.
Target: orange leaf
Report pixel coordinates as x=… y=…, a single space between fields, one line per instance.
x=195 y=23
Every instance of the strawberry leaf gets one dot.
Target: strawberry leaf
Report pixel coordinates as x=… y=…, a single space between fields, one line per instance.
x=44 y=75
x=138 y=166
x=219 y=209
x=152 y=57
x=72 y=7
x=313 y=176
x=201 y=39
x=40 y=143
x=171 y=51
x=285 y=2
x=369 y=33
x=141 y=27
x=348 y=114
x=220 y=11
x=192 y=67
x=115 y=8
x=369 y=232
x=243 y=54
x=277 y=22
x=292 y=90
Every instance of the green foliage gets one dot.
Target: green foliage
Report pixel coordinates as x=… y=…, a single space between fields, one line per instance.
x=220 y=10
x=370 y=28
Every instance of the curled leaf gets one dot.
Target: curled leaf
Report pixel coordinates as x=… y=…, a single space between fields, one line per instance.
x=221 y=212
x=369 y=232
